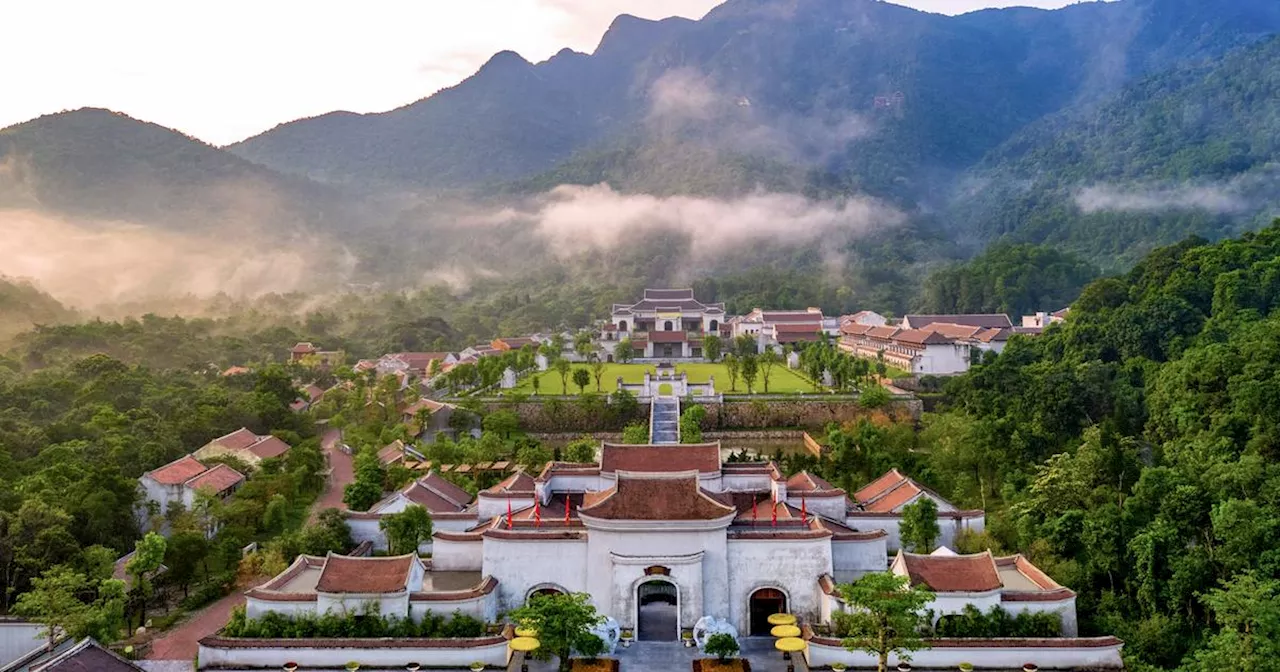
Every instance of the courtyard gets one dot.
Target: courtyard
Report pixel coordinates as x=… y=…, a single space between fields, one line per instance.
x=781 y=381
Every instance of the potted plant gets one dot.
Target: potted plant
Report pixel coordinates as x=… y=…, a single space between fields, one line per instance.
x=1030 y=667
x=721 y=645
x=839 y=667
x=628 y=636
x=352 y=666
x=477 y=666
x=966 y=667
x=686 y=636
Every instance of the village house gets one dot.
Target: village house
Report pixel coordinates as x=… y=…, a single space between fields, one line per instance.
x=428 y=419
x=310 y=395
x=869 y=318
x=666 y=324
x=986 y=321
x=1041 y=320
x=180 y=481
x=450 y=508
x=773 y=328
x=69 y=655
x=245 y=446
x=937 y=348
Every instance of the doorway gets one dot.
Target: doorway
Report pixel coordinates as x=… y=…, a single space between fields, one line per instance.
x=657 y=611
x=763 y=604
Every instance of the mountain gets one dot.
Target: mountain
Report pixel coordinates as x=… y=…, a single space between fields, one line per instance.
x=510 y=119
x=830 y=97
x=104 y=165
x=22 y=306
x=1195 y=150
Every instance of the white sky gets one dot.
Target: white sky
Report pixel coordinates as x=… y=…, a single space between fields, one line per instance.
x=225 y=70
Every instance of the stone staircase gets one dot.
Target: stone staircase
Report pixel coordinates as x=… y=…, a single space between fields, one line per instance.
x=664 y=420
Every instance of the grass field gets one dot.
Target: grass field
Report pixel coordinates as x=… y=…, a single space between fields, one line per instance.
x=782 y=381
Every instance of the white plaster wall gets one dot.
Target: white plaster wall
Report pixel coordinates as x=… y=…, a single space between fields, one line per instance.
x=943 y=359
x=520 y=565
x=1065 y=609
x=18 y=638
x=859 y=556
x=390 y=604
x=954 y=603
x=831 y=507
x=703 y=588
x=484 y=607
x=457 y=556
x=256 y=608
x=488 y=507
x=948 y=528
x=1011 y=657
x=792 y=566
x=746 y=482
x=574 y=483
x=376 y=654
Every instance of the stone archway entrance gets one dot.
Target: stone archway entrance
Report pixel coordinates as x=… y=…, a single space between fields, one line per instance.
x=764 y=603
x=657 y=611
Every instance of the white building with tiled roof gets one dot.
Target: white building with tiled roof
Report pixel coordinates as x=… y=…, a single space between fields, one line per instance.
x=245 y=446
x=667 y=323
x=934 y=348
x=180 y=481
x=879 y=504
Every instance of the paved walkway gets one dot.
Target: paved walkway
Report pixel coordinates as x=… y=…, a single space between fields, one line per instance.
x=182 y=642
x=674 y=657
x=666 y=423
x=343 y=473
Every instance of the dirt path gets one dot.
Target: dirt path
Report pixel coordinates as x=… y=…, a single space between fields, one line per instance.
x=182 y=642
x=343 y=473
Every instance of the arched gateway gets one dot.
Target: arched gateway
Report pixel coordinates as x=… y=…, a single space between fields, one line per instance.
x=657 y=611
x=764 y=603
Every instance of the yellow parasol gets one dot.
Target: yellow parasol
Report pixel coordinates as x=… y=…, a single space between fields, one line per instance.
x=785 y=631
x=525 y=631
x=782 y=619
x=526 y=644
x=789 y=644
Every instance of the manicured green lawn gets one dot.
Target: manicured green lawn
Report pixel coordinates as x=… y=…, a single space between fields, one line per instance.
x=781 y=381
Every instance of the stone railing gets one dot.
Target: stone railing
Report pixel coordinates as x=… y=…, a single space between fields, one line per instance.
x=387 y=652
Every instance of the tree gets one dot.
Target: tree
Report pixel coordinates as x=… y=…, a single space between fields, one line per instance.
x=503 y=423
x=583 y=344
x=886 y=618
x=711 y=347
x=185 y=552
x=874 y=397
x=745 y=346
x=635 y=434
x=561 y=619
x=733 y=366
x=581 y=378
x=624 y=352
x=721 y=645
x=406 y=530
x=366 y=490
x=920 y=524
x=55 y=602
x=148 y=555
x=590 y=646
x=581 y=450
x=691 y=424
x=768 y=359
x=597 y=371
x=562 y=367
x=750 y=368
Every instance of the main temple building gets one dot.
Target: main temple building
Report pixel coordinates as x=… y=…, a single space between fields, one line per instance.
x=667 y=323
x=659 y=537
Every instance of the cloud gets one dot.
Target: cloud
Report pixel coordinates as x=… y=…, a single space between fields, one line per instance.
x=1223 y=198
x=574 y=219
x=88 y=264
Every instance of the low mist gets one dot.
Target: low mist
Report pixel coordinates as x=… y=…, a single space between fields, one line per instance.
x=87 y=264
x=575 y=219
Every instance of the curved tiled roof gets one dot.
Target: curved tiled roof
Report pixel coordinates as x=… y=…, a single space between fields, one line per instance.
x=975 y=573
x=345 y=574
x=519 y=484
x=650 y=497
x=178 y=471
x=701 y=457
x=218 y=479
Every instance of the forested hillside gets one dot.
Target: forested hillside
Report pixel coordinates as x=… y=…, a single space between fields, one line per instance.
x=23 y=306
x=1132 y=453
x=1013 y=279
x=1191 y=151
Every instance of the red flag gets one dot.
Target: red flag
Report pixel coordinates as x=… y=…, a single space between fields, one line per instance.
x=537 y=513
x=509 y=523
x=775 y=514
x=804 y=509
x=566 y=509
x=753 y=511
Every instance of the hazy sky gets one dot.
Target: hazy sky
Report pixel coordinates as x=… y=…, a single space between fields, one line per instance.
x=222 y=71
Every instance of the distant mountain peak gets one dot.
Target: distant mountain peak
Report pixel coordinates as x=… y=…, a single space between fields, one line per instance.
x=504 y=61
x=629 y=34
